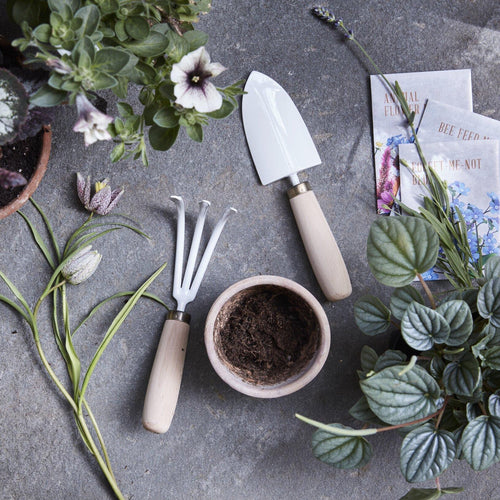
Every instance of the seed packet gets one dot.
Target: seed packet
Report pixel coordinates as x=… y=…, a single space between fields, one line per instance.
x=472 y=171
x=389 y=124
x=443 y=122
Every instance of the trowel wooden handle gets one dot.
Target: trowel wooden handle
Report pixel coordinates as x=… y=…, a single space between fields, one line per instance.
x=166 y=375
x=321 y=247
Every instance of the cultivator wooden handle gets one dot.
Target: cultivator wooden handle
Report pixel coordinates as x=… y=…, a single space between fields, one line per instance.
x=166 y=375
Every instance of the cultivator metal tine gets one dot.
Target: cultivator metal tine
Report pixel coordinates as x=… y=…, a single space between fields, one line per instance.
x=209 y=250
x=179 y=245
x=185 y=289
x=195 y=245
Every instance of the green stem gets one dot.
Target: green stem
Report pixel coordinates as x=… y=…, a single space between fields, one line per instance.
x=102 y=464
x=99 y=437
x=47 y=366
x=427 y=290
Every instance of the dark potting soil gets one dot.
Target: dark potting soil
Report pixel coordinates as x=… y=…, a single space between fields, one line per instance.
x=21 y=157
x=266 y=335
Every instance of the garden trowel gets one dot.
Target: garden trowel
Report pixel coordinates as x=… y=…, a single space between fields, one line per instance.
x=281 y=146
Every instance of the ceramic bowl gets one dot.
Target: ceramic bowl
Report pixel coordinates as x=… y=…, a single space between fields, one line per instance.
x=221 y=335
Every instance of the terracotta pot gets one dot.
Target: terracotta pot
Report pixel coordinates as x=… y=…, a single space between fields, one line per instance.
x=33 y=183
x=226 y=306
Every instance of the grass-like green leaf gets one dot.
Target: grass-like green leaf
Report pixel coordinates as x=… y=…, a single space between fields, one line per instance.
x=343 y=452
x=39 y=240
x=462 y=377
x=116 y=296
x=481 y=442
x=422 y=326
x=17 y=294
x=16 y=307
x=398 y=396
x=488 y=301
x=402 y=298
x=115 y=325
x=48 y=226
x=371 y=315
x=426 y=452
x=401 y=247
x=458 y=315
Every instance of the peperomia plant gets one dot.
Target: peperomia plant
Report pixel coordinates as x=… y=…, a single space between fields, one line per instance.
x=91 y=46
x=73 y=264
x=442 y=390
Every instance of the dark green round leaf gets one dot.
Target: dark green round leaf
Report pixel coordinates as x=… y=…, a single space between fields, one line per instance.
x=462 y=377
x=195 y=132
x=46 y=96
x=481 y=442
x=154 y=45
x=492 y=267
x=161 y=138
x=343 y=452
x=14 y=106
x=390 y=358
x=196 y=39
x=494 y=405
x=111 y=60
x=137 y=27
x=401 y=247
x=166 y=117
x=429 y=493
x=491 y=357
x=368 y=358
x=458 y=315
x=398 y=396
x=103 y=81
x=436 y=367
x=362 y=412
x=371 y=315
x=488 y=301
x=402 y=298
x=426 y=453
x=90 y=17
x=422 y=326
x=225 y=110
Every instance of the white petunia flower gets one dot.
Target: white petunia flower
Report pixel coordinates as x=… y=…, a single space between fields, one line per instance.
x=192 y=88
x=91 y=121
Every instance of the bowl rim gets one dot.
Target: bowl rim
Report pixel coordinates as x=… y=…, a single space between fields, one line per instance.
x=307 y=374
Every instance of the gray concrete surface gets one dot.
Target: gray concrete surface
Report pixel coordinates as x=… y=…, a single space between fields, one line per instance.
x=223 y=445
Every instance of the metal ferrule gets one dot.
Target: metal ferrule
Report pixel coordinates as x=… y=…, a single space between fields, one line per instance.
x=301 y=188
x=179 y=316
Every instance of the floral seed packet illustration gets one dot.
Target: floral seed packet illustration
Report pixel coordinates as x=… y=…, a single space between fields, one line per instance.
x=472 y=171
x=443 y=122
x=389 y=124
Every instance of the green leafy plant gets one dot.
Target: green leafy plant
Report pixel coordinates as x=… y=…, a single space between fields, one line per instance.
x=73 y=264
x=443 y=389
x=93 y=45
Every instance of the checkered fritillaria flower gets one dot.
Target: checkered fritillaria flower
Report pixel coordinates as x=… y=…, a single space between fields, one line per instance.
x=103 y=200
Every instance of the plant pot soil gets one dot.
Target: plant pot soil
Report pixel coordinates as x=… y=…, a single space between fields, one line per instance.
x=29 y=158
x=266 y=334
